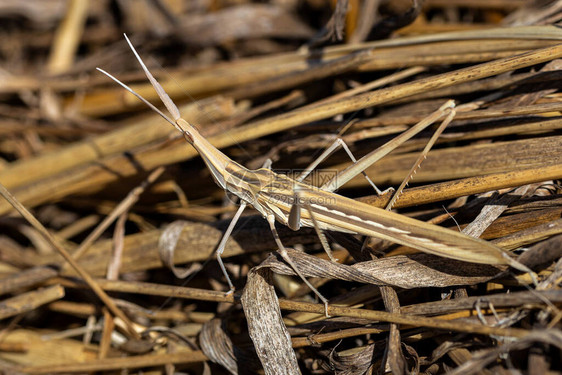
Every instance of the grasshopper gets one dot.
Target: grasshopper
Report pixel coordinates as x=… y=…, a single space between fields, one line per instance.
x=296 y=204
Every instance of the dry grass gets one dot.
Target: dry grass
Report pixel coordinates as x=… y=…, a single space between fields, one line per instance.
x=98 y=178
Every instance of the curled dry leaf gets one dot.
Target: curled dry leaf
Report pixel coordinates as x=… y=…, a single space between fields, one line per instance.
x=167 y=245
x=413 y=271
x=354 y=363
x=217 y=344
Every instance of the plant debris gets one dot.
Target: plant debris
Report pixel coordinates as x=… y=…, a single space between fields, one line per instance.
x=109 y=219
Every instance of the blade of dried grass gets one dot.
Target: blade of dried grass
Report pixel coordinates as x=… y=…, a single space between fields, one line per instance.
x=546 y=252
x=511 y=299
x=60 y=249
x=122 y=207
x=393 y=357
x=535 y=203
x=488 y=113
x=427 y=56
x=521 y=32
x=105 y=341
x=490 y=84
x=114 y=265
x=319 y=338
x=29 y=301
x=409 y=320
x=492 y=210
x=167 y=246
x=26 y=278
x=529 y=236
x=108 y=364
x=360 y=360
x=466 y=161
x=209 y=295
x=509 y=225
x=83 y=310
x=134 y=134
x=163 y=290
x=67 y=37
x=216 y=345
x=354 y=298
x=467 y=186
x=531 y=127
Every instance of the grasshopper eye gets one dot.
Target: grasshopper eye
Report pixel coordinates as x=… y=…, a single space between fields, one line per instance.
x=185 y=127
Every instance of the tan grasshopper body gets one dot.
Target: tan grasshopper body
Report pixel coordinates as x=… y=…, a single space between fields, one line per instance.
x=273 y=194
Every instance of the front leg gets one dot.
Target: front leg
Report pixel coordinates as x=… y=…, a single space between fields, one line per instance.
x=224 y=240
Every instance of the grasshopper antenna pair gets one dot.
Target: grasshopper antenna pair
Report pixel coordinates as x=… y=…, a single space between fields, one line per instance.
x=295 y=203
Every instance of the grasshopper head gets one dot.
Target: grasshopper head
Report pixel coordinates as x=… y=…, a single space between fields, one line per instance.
x=187 y=129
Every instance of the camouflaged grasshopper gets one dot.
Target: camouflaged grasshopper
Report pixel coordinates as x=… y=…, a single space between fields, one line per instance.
x=297 y=204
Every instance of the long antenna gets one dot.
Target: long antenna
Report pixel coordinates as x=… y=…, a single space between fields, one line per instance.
x=172 y=108
x=152 y=106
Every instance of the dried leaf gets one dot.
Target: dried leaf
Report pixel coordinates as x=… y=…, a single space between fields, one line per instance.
x=483 y=358
x=265 y=324
x=218 y=346
x=492 y=211
x=414 y=271
x=167 y=246
x=393 y=354
x=355 y=363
